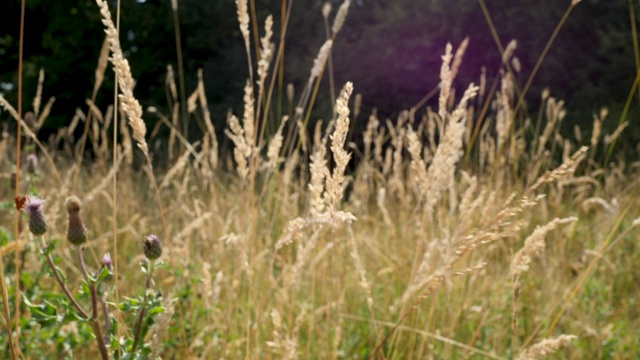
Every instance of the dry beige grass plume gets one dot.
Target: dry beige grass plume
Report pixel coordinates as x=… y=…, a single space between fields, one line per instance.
x=533 y=245
x=341 y=16
x=546 y=348
x=130 y=104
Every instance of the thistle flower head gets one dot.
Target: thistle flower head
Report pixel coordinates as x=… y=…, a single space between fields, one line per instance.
x=77 y=232
x=152 y=247
x=32 y=163
x=37 y=222
x=107 y=263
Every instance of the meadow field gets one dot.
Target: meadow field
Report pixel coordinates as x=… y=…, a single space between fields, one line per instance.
x=479 y=228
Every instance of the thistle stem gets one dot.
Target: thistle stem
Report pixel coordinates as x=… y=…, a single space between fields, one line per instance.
x=94 y=305
x=143 y=311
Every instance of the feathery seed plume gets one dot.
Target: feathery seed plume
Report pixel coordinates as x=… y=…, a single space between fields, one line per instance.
x=546 y=347
x=321 y=59
x=130 y=104
x=243 y=19
x=335 y=182
x=341 y=16
x=326 y=9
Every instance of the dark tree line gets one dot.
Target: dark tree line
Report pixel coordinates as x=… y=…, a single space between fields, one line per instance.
x=390 y=49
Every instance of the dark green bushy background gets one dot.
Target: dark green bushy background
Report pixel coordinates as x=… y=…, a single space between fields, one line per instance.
x=390 y=49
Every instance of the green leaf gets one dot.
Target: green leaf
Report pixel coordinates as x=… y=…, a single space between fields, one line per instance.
x=49 y=248
x=44 y=314
x=104 y=275
x=159 y=265
x=156 y=310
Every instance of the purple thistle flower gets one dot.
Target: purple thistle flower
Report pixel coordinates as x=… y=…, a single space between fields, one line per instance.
x=37 y=222
x=107 y=262
x=32 y=163
x=152 y=247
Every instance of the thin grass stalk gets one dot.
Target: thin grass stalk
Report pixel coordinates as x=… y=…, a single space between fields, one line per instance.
x=634 y=34
x=623 y=116
x=254 y=25
x=279 y=60
x=427 y=334
x=546 y=49
x=243 y=24
x=176 y=27
x=536 y=131
x=424 y=100
x=15 y=347
x=501 y=49
x=313 y=98
x=480 y=118
x=332 y=86
x=80 y=155
x=6 y=312
x=280 y=72
x=175 y=130
x=87 y=124
x=114 y=190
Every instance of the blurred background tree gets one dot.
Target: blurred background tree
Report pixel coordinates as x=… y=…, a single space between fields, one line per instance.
x=390 y=49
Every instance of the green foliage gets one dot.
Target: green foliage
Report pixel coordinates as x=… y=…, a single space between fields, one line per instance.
x=151 y=306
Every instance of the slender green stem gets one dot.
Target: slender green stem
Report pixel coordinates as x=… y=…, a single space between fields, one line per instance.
x=176 y=26
x=623 y=116
x=95 y=325
x=278 y=68
x=114 y=209
x=5 y=307
x=107 y=321
x=15 y=347
x=546 y=49
x=143 y=311
x=92 y=287
x=64 y=287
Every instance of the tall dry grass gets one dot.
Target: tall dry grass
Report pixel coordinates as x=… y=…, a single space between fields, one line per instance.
x=301 y=245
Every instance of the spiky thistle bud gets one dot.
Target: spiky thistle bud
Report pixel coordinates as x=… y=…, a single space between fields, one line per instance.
x=37 y=222
x=77 y=232
x=107 y=263
x=152 y=247
x=32 y=164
